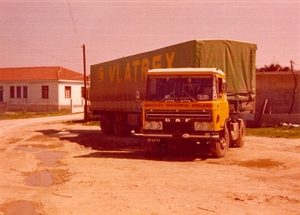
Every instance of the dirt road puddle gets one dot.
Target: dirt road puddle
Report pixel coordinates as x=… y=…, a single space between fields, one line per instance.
x=34 y=148
x=44 y=178
x=19 y=208
x=39 y=178
x=49 y=158
x=260 y=163
x=65 y=134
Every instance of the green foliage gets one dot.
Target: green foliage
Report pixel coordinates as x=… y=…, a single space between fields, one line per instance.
x=273 y=68
x=25 y=115
x=283 y=132
x=277 y=132
x=93 y=123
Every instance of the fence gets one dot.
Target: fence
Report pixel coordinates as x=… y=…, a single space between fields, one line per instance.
x=39 y=107
x=277 y=99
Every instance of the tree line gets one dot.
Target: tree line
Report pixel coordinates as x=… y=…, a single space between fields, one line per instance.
x=273 y=68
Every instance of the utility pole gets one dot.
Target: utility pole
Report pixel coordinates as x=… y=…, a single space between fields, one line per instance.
x=295 y=86
x=85 y=90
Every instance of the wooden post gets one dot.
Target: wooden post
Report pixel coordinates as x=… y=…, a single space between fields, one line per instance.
x=295 y=87
x=263 y=112
x=85 y=91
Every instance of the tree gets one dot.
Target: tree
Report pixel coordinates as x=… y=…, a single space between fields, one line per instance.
x=273 y=68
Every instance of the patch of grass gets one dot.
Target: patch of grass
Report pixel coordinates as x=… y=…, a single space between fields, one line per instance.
x=93 y=123
x=284 y=132
x=90 y=123
x=25 y=115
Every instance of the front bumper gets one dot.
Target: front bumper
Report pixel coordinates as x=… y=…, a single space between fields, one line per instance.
x=206 y=135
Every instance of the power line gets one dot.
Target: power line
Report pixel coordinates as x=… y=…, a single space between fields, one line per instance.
x=73 y=23
x=41 y=51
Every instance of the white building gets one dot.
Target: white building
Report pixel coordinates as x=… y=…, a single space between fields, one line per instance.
x=41 y=89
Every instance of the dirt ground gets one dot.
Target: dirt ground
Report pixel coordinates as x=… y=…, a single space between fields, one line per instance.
x=49 y=167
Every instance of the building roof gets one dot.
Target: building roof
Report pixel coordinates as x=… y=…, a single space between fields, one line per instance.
x=39 y=73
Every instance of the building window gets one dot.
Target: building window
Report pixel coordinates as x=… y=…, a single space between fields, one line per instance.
x=12 y=91
x=45 y=92
x=67 y=92
x=25 y=92
x=19 y=91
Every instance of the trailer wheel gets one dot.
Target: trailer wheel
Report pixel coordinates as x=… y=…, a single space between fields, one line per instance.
x=106 y=124
x=220 y=147
x=120 y=126
x=242 y=130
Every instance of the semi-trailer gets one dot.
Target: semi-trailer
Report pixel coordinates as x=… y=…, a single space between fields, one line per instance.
x=200 y=91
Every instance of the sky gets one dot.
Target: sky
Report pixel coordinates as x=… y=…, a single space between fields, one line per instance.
x=52 y=32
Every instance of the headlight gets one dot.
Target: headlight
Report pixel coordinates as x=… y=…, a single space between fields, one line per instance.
x=153 y=125
x=203 y=126
x=148 y=125
x=199 y=126
x=208 y=126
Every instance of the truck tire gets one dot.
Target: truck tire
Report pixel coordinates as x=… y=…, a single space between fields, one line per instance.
x=120 y=126
x=231 y=142
x=220 y=147
x=242 y=132
x=106 y=124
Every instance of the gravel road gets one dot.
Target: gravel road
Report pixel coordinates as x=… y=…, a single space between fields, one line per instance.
x=50 y=167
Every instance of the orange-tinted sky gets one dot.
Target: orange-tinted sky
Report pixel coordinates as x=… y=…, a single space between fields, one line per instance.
x=51 y=32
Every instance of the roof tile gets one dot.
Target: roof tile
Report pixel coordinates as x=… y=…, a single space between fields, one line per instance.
x=38 y=73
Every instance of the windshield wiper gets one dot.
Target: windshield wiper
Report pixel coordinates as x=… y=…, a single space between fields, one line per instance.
x=168 y=96
x=191 y=97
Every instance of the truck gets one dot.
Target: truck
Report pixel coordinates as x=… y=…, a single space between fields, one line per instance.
x=199 y=91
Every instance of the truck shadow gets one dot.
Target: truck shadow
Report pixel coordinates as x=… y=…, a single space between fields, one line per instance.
x=127 y=147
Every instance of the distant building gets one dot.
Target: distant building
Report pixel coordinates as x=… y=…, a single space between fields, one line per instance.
x=41 y=89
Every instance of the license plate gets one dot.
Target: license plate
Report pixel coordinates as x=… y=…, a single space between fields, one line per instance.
x=153 y=140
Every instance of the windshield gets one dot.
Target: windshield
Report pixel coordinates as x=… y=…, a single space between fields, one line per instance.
x=179 y=88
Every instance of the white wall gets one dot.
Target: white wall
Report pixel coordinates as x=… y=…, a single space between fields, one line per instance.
x=34 y=100
x=75 y=93
x=34 y=92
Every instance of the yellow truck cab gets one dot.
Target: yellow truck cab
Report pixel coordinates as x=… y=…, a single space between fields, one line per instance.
x=187 y=103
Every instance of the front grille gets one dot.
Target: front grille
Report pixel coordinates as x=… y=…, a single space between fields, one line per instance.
x=180 y=114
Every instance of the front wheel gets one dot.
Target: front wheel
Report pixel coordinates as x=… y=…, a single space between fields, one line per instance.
x=242 y=131
x=220 y=147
